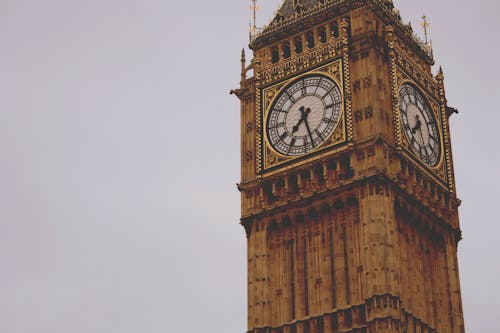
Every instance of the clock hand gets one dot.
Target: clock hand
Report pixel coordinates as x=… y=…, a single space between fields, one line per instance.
x=303 y=116
x=417 y=126
x=421 y=136
x=307 y=126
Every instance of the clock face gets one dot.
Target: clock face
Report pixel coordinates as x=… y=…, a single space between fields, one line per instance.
x=419 y=124
x=304 y=115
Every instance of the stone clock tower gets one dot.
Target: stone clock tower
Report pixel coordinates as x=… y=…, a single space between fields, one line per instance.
x=347 y=189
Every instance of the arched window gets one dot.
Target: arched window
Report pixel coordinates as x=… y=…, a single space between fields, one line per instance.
x=310 y=39
x=275 y=55
x=298 y=44
x=286 y=50
x=322 y=34
x=334 y=29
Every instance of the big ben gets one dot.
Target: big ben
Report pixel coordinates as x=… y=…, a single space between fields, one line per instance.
x=347 y=186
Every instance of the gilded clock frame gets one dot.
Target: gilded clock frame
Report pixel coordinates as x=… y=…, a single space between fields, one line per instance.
x=435 y=116
x=271 y=159
x=439 y=169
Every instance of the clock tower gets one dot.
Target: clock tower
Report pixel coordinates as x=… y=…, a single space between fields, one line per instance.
x=347 y=187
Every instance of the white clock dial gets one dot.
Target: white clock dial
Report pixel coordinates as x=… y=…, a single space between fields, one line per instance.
x=304 y=115
x=419 y=124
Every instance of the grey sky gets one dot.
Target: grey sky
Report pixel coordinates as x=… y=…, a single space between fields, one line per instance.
x=119 y=154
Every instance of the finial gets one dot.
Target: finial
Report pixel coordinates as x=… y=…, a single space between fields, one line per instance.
x=243 y=67
x=425 y=25
x=440 y=75
x=254 y=8
x=253 y=26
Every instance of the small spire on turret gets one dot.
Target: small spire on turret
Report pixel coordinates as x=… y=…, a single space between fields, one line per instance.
x=253 y=25
x=254 y=8
x=440 y=76
x=425 y=24
x=241 y=91
x=243 y=65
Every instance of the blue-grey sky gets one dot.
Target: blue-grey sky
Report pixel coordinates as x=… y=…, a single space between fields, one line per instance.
x=119 y=154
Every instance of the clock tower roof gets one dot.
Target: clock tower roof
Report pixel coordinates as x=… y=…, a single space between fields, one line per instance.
x=290 y=7
x=304 y=14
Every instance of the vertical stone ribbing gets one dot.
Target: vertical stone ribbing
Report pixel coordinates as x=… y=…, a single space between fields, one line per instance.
x=305 y=276
x=292 y=278
x=332 y=266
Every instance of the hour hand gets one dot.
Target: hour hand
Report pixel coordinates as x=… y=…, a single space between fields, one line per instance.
x=417 y=126
x=303 y=116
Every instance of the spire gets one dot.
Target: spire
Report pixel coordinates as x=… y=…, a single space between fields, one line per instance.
x=254 y=8
x=253 y=25
x=243 y=67
x=425 y=25
x=440 y=77
x=428 y=42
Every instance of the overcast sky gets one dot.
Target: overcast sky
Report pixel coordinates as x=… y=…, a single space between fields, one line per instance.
x=119 y=155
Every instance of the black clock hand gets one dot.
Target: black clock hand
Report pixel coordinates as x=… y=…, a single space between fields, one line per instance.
x=422 y=136
x=307 y=126
x=296 y=127
x=303 y=116
x=417 y=126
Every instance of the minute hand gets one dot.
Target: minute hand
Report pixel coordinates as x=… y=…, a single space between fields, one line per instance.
x=309 y=131
x=422 y=137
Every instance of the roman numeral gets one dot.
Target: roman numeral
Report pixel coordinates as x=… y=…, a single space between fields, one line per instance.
x=279 y=110
x=331 y=105
x=277 y=125
x=429 y=152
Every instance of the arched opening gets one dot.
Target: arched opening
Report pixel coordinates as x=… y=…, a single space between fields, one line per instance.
x=275 y=55
x=322 y=34
x=310 y=39
x=298 y=44
x=287 y=52
x=334 y=29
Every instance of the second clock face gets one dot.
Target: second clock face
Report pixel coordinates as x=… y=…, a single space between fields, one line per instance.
x=419 y=124
x=304 y=115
